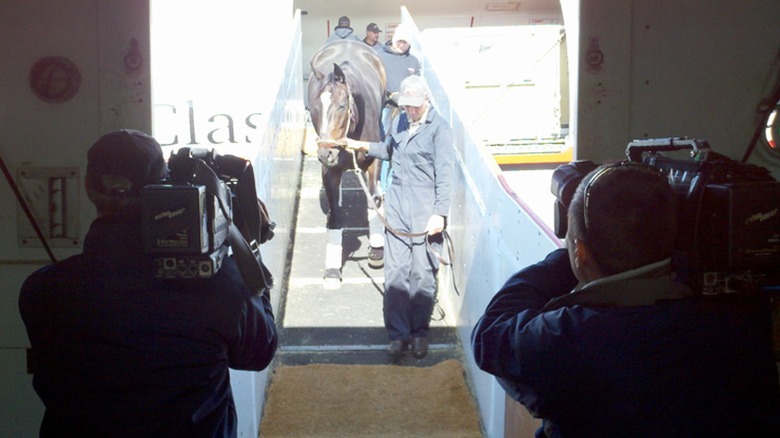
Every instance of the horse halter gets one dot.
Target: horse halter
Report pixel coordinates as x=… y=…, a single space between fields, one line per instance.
x=350 y=104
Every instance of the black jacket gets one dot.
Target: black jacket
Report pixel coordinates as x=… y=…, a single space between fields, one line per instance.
x=594 y=363
x=118 y=353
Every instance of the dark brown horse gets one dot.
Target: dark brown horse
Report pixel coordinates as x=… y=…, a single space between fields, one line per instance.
x=346 y=95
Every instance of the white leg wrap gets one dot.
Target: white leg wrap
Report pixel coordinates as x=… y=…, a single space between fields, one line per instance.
x=333 y=250
x=341 y=198
x=376 y=231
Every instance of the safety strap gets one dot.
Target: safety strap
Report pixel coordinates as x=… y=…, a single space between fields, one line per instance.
x=26 y=209
x=250 y=263
x=247 y=255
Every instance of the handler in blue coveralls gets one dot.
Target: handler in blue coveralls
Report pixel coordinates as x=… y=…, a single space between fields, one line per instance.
x=421 y=151
x=118 y=353
x=600 y=340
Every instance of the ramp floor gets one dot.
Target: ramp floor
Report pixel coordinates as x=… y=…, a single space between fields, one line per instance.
x=344 y=325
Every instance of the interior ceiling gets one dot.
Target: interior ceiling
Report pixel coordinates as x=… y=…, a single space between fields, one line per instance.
x=335 y=8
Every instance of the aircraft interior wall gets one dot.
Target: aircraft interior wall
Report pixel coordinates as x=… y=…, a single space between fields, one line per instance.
x=636 y=70
x=98 y=79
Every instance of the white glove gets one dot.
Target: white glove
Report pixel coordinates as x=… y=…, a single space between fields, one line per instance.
x=435 y=224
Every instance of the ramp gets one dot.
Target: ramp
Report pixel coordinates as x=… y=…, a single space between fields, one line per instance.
x=344 y=325
x=332 y=375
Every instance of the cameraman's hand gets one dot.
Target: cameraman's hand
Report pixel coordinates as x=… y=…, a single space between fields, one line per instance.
x=435 y=225
x=357 y=145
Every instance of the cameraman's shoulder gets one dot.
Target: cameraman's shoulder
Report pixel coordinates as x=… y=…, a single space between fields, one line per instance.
x=48 y=282
x=557 y=260
x=69 y=266
x=553 y=275
x=229 y=280
x=558 y=254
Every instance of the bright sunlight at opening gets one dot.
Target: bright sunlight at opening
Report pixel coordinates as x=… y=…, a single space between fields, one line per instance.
x=209 y=71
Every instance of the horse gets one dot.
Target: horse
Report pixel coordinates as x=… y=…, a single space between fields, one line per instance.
x=346 y=92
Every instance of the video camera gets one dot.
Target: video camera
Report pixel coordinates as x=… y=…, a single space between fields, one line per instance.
x=190 y=219
x=728 y=213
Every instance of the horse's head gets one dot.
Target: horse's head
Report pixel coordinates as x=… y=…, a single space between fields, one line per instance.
x=332 y=108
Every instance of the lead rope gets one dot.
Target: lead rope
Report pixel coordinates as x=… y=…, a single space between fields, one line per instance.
x=372 y=204
x=444 y=233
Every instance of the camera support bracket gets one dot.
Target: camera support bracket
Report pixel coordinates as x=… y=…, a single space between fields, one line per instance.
x=636 y=148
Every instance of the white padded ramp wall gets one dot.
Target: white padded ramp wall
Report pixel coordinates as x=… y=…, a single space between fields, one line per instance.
x=277 y=165
x=494 y=233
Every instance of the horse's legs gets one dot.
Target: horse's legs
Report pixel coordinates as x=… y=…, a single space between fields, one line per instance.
x=333 y=254
x=331 y=180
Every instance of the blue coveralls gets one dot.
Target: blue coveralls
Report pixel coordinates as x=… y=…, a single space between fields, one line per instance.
x=421 y=186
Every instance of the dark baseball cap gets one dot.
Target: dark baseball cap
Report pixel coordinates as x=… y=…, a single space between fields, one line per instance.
x=372 y=27
x=344 y=21
x=126 y=153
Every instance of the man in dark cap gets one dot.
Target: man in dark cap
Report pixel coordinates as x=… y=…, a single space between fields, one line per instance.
x=119 y=165
x=343 y=32
x=372 y=36
x=118 y=352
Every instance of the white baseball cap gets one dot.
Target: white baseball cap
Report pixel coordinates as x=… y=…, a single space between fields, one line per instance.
x=402 y=32
x=414 y=91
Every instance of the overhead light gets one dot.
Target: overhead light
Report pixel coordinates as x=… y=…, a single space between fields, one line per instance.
x=502 y=6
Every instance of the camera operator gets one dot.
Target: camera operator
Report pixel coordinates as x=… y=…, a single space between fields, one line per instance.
x=120 y=353
x=599 y=340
